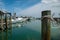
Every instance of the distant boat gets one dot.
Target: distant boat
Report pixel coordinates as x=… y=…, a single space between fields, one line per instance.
x=18 y=20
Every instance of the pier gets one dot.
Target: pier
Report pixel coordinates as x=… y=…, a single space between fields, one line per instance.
x=5 y=20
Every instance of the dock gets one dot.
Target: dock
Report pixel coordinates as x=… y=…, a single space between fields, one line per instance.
x=4 y=17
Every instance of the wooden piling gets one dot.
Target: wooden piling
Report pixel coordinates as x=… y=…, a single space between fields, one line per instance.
x=6 y=22
x=46 y=26
x=2 y=22
x=10 y=21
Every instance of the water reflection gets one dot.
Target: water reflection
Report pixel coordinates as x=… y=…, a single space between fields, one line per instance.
x=28 y=30
x=6 y=35
x=20 y=24
x=55 y=33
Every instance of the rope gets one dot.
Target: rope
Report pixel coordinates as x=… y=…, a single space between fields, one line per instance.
x=48 y=17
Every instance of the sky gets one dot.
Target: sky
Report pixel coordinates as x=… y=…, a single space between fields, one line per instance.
x=14 y=5
x=30 y=7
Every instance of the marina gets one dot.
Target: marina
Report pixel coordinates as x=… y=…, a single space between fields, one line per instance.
x=23 y=29
x=29 y=20
x=27 y=31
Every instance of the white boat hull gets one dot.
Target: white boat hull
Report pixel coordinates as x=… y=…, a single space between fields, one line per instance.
x=19 y=20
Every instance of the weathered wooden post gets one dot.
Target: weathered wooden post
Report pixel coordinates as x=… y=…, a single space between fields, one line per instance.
x=1 y=20
x=10 y=20
x=46 y=25
x=6 y=22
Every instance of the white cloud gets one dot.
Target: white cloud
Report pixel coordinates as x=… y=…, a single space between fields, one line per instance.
x=31 y=11
x=38 y=8
x=4 y=10
x=50 y=1
x=35 y=10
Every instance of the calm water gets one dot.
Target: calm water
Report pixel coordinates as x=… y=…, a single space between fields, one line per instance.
x=28 y=31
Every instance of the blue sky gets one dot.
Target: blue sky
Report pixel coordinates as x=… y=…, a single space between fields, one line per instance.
x=23 y=4
x=30 y=7
x=20 y=3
